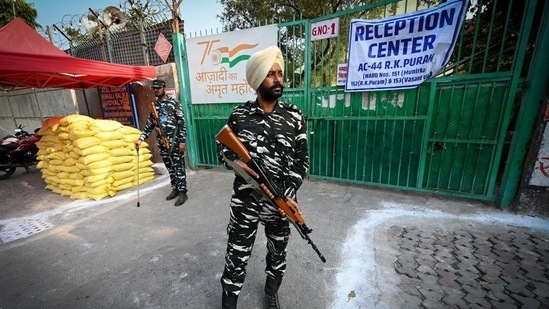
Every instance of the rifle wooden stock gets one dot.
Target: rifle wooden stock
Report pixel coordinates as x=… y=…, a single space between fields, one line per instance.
x=227 y=137
x=156 y=121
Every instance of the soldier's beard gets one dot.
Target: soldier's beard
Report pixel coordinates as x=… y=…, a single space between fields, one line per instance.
x=272 y=93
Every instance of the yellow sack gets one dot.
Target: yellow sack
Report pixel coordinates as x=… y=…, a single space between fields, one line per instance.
x=67 y=120
x=143 y=150
x=144 y=157
x=120 y=152
x=53 y=168
x=105 y=171
x=143 y=180
x=90 y=150
x=122 y=174
x=44 y=131
x=80 y=196
x=57 y=162
x=67 y=169
x=107 y=125
x=57 y=156
x=122 y=159
x=124 y=167
x=131 y=138
x=70 y=161
x=145 y=164
x=145 y=174
x=123 y=186
x=126 y=180
x=101 y=180
x=109 y=136
x=63 y=175
x=127 y=130
x=99 y=183
x=114 y=144
x=95 y=157
x=99 y=164
x=63 y=136
x=74 y=155
x=76 y=175
x=81 y=125
x=86 y=142
x=48 y=138
x=80 y=133
x=97 y=197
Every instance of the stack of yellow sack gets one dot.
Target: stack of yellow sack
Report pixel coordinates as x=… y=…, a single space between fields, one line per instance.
x=87 y=158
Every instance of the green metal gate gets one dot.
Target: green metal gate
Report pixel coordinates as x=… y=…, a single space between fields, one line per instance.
x=447 y=136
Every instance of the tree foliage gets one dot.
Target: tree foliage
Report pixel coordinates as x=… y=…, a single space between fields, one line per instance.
x=243 y=14
x=9 y=9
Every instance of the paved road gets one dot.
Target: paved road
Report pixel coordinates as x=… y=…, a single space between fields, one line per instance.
x=384 y=249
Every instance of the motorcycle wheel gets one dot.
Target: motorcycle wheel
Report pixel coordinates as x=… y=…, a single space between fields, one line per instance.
x=6 y=172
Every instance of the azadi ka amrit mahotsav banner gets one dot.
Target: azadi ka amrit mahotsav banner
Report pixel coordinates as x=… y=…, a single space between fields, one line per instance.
x=400 y=52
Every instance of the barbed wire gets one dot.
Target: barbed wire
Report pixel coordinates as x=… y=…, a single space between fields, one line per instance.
x=75 y=29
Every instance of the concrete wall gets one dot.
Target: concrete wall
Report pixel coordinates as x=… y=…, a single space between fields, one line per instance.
x=533 y=195
x=30 y=107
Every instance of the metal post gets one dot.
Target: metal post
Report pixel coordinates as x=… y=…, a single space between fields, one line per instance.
x=528 y=111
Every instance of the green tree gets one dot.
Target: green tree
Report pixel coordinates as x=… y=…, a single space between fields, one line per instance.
x=243 y=14
x=18 y=8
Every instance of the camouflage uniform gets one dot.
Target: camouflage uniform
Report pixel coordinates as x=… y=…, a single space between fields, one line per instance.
x=172 y=123
x=278 y=140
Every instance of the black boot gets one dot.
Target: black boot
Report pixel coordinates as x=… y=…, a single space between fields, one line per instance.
x=228 y=301
x=271 y=292
x=172 y=195
x=182 y=198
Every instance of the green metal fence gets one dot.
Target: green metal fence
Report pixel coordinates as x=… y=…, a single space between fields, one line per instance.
x=448 y=136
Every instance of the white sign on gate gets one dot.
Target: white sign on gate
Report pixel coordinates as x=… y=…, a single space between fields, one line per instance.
x=400 y=52
x=325 y=29
x=217 y=63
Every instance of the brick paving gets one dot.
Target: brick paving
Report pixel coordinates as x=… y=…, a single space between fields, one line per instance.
x=460 y=268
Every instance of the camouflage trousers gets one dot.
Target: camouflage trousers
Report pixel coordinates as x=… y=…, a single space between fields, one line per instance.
x=246 y=213
x=176 y=168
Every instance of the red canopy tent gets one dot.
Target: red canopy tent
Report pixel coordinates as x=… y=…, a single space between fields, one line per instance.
x=28 y=60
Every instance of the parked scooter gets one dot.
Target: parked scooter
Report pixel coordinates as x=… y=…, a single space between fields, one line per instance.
x=18 y=150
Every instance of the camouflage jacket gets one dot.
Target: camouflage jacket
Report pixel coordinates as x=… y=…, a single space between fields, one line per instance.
x=171 y=120
x=276 y=140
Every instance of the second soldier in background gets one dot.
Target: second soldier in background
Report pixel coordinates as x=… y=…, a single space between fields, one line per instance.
x=167 y=117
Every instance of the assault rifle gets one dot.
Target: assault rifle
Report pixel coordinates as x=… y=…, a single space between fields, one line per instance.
x=156 y=121
x=263 y=184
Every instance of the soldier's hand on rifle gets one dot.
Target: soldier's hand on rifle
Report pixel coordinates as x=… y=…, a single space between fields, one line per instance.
x=182 y=147
x=293 y=205
x=138 y=143
x=246 y=168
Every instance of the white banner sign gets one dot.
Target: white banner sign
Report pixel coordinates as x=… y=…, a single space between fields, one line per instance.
x=325 y=29
x=217 y=63
x=341 y=74
x=400 y=52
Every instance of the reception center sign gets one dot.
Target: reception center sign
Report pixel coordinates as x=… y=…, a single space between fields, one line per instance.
x=400 y=52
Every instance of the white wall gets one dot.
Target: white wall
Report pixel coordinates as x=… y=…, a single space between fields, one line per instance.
x=30 y=107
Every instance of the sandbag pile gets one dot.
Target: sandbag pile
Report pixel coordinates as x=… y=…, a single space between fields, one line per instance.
x=87 y=158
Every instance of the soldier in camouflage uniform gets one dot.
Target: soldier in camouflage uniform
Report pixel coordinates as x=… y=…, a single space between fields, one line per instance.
x=172 y=125
x=275 y=135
